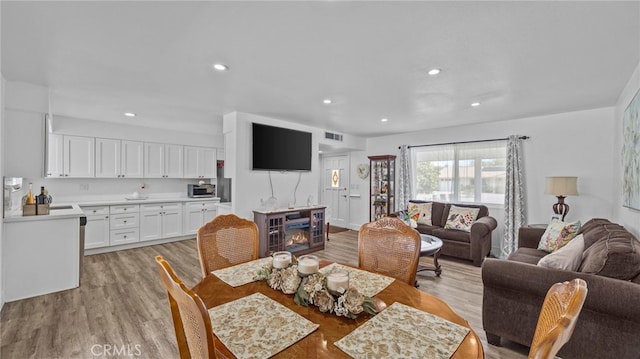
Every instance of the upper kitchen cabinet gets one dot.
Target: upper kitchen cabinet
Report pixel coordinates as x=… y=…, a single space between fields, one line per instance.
x=119 y=158
x=70 y=156
x=163 y=160
x=55 y=155
x=79 y=156
x=199 y=162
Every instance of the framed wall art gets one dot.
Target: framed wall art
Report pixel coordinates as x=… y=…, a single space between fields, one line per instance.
x=631 y=154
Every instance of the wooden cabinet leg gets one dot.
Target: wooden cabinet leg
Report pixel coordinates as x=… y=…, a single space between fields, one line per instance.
x=327 y=231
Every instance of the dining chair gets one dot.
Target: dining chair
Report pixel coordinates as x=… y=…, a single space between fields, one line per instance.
x=388 y=246
x=558 y=317
x=190 y=317
x=225 y=241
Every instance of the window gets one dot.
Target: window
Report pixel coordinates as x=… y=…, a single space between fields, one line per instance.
x=468 y=172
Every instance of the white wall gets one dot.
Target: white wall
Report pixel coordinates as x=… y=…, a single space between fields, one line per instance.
x=2 y=92
x=249 y=187
x=567 y=144
x=630 y=218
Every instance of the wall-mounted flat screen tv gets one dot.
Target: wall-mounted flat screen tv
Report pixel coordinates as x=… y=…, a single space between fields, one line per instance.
x=280 y=149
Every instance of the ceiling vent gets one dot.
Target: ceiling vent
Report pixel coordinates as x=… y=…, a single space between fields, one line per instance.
x=333 y=136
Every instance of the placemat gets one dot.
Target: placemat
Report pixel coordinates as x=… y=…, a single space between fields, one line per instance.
x=401 y=331
x=366 y=283
x=256 y=326
x=242 y=274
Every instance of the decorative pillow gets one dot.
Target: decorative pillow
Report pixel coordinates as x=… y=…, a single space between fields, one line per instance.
x=424 y=212
x=558 y=234
x=461 y=218
x=568 y=257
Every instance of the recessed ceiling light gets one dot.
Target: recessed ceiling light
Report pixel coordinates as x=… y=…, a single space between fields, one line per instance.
x=384 y=120
x=130 y=114
x=326 y=101
x=475 y=104
x=220 y=67
x=433 y=72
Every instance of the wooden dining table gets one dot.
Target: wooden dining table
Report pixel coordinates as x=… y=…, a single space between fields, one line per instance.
x=319 y=344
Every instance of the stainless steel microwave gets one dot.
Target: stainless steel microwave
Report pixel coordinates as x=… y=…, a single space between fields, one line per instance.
x=201 y=190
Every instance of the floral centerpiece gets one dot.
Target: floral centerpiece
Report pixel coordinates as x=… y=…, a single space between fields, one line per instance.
x=312 y=290
x=410 y=216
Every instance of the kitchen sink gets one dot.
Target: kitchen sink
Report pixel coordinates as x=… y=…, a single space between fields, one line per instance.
x=51 y=208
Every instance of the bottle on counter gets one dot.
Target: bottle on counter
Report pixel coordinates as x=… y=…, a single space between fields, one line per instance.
x=30 y=199
x=49 y=198
x=42 y=198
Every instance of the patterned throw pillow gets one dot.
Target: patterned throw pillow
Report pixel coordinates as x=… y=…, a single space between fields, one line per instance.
x=423 y=210
x=558 y=234
x=461 y=218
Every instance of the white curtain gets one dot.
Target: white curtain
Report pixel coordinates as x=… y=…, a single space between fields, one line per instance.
x=513 y=196
x=404 y=178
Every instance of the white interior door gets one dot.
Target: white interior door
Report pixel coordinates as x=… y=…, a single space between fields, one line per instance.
x=335 y=181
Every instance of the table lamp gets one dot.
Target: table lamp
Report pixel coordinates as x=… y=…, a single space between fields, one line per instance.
x=561 y=187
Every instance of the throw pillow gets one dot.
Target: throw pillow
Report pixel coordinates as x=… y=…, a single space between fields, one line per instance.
x=461 y=218
x=424 y=212
x=558 y=234
x=568 y=257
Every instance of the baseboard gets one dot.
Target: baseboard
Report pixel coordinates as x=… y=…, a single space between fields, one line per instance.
x=88 y=252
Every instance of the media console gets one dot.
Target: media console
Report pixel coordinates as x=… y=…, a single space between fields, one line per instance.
x=298 y=230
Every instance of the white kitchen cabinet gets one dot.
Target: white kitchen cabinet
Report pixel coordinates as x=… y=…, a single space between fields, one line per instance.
x=124 y=224
x=78 y=159
x=70 y=156
x=55 y=155
x=118 y=158
x=199 y=162
x=161 y=220
x=197 y=214
x=163 y=160
x=97 y=228
x=107 y=157
x=40 y=256
x=132 y=159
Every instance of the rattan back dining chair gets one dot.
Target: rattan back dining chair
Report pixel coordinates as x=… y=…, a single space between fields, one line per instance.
x=560 y=310
x=190 y=317
x=225 y=241
x=388 y=246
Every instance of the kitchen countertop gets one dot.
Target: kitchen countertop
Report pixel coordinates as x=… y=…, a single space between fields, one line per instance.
x=56 y=211
x=112 y=202
x=60 y=210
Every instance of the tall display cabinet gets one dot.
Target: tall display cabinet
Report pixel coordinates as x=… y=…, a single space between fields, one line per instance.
x=382 y=188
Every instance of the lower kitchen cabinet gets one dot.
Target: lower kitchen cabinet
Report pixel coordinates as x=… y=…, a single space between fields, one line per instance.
x=161 y=220
x=124 y=224
x=97 y=228
x=196 y=214
x=40 y=256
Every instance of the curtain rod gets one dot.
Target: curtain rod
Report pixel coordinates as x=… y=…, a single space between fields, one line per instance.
x=477 y=141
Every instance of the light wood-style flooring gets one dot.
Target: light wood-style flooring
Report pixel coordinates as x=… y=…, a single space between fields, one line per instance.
x=121 y=309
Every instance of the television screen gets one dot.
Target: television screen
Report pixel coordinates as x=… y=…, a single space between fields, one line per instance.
x=281 y=149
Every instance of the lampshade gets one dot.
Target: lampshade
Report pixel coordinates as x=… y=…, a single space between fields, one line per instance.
x=562 y=186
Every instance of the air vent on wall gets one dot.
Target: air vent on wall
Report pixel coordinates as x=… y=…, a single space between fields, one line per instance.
x=333 y=136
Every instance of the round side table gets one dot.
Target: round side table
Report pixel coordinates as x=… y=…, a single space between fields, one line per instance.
x=430 y=246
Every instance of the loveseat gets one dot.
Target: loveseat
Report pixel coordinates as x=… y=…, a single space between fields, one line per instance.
x=473 y=245
x=609 y=324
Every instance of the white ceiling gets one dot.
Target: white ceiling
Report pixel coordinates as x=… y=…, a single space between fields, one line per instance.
x=519 y=59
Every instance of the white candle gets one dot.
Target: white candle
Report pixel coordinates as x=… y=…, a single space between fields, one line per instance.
x=281 y=260
x=337 y=280
x=308 y=264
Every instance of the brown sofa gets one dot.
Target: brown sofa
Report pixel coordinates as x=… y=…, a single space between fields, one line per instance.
x=474 y=245
x=609 y=324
